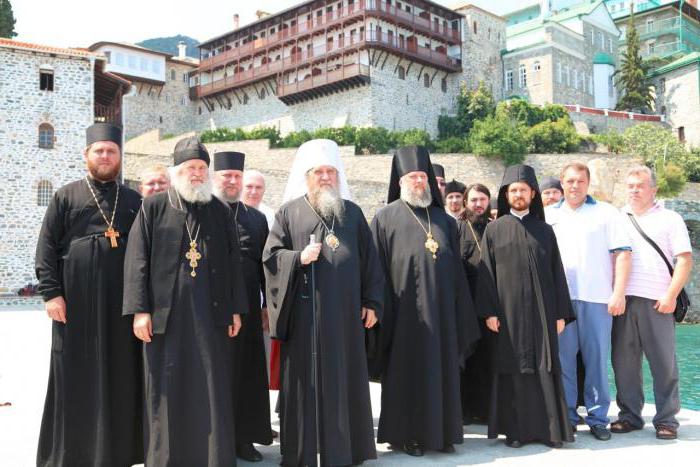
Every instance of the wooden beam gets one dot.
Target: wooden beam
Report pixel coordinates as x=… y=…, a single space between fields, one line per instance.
x=420 y=73
x=237 y=97
x=410 y=64
x=433 y=77
x=386 y=56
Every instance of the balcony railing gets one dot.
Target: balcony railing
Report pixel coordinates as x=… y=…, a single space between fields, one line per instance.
x=341 y=73
x=109 y=113
x=318 y=23
x=690 y=31
x=241 y=77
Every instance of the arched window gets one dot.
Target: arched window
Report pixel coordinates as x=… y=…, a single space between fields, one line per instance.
x=46 y=136
x=474 y=27
x=426 y=80
x=245 y=99
x=443 y=85
x=263 y=93
x=401 y=72
x=44 y=193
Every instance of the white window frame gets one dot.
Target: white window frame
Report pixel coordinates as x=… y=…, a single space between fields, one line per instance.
x=509 y=80
x=522 y=76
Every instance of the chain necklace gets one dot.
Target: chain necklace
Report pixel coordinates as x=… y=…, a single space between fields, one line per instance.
x=110 y=232
x=192 y=254
x=478 y=246
x=331 y=239
x=430 y=243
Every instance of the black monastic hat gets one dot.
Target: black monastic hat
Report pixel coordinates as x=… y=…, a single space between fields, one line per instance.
x=455 y=187
x=551 y=182
x=412 y=159
x=520 y=173
x=439 y=170
x=229 y=160
x=190 y=148
x=103 y=132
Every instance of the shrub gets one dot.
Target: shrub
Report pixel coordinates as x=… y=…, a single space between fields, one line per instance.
x=373 y=141
x=295 y=139
x=552 y=137
x=691 y=165
x=413 y=137
x=222 y=134
x=344 y=136
x=613 y=140
x=670 y=179
x=449 y=127
x=496 y=136
x=272 y=134
x=453 y=144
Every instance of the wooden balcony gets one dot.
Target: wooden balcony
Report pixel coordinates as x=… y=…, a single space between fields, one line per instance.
x=319 y=24
x=306 y=58
x=341 y=78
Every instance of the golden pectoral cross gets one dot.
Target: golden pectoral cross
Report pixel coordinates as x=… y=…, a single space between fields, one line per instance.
x=193 y=255
x=432 y=246
x=112 y=235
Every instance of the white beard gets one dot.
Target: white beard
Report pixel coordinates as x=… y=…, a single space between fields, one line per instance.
x=416 y=199
x=328 y=203
x=201 y=193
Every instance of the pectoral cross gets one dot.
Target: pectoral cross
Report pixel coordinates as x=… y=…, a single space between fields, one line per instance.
x=112 y=235
x=431 y=245
x=193 y=255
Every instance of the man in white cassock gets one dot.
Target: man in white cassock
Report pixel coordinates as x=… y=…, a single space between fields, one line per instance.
x=348 y=297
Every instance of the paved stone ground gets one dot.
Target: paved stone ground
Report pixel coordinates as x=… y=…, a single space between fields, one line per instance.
x=24 y=358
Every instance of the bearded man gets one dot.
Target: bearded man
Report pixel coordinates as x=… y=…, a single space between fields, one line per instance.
x=185 y=289
x=429 y=323
x=476 y=375
x=348 y=298
x=93 y=402
x=251 y=397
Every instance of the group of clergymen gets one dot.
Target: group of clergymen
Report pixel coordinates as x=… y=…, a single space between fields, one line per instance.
x=463 y=317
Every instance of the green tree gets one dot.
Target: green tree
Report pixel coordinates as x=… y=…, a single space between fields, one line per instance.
x=7 y=20
x=498 y=136
x=635 y=88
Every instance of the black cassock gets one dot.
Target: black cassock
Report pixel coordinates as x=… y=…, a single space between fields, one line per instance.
x=92 y=414
x=251 y=397
x=346 y=280
x=428 y=327
x=188 y=364
x=476 y=375
x=522 y=282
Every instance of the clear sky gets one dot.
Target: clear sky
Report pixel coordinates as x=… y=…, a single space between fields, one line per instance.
x=79 y=23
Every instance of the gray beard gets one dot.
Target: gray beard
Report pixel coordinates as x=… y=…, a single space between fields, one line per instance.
x=328 y=203
x=192 y=193
x=221 y=194
x=415 y=198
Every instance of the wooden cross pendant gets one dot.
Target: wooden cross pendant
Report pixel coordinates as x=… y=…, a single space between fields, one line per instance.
x=193 y=255
x=112 y=235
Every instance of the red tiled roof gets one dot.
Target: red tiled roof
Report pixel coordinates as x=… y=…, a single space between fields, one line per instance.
x=12 y=44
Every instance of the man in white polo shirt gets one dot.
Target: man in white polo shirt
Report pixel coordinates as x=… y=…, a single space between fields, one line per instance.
x=596 y=253
x=648 y=325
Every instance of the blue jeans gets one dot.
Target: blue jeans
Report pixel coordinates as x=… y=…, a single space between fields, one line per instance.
x=589 y=334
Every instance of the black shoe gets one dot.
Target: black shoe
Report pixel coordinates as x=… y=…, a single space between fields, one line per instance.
x=600 y=432
x=555 y=444
x=513 y=443
x=448 y=449
x=248 y=453
x=414 y=448
x=574 y=428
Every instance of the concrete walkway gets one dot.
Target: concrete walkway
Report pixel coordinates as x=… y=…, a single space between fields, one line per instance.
x=25 y=338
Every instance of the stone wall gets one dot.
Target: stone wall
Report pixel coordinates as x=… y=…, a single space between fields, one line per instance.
x=481 y=50
x=678 y=98
x=23 y=107
x=603 y=123
x=166 y=107
x=690 y=211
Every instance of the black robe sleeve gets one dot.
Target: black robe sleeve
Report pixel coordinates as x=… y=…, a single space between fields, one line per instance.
x=137 y=272
x=468 y=332
x=487 y=302
x=239 y=296
x=48 y=251
x=372 y=276
x=283 y=272
x=266 y=231
x=564 y=308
